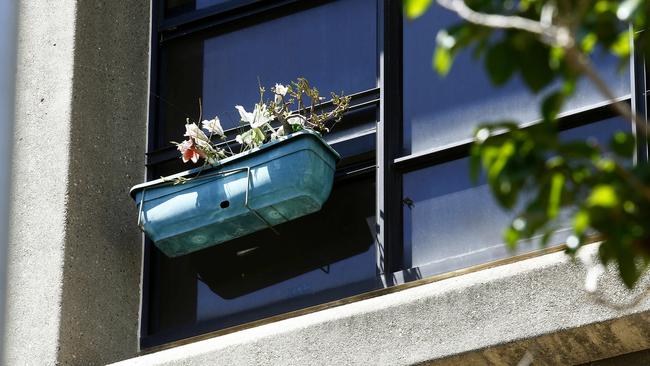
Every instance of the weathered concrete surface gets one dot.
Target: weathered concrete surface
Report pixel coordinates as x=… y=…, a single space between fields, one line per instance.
x=75 y=252
x=492 y=317
x=40 y=166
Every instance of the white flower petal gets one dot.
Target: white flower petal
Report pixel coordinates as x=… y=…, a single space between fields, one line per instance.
x=245 y=116
x=193 y=131
x=295 y=121
x=280 y=89
x=261 y=116
x=213 y=126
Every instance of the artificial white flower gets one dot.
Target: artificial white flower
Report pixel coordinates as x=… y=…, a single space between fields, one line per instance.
x=205 y=146
x=277 y=133
x=189 y=151
x=213 y=126
x=295 y=120
x=280 y=89
x=245 y=139
x=193 y=131
x=258 y=118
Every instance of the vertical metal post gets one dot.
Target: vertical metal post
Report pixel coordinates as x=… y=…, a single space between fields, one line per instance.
x=639 y=82
x=389 y=139
x=8 y=16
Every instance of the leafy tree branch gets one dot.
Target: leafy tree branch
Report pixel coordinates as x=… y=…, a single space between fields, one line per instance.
x=552 y=183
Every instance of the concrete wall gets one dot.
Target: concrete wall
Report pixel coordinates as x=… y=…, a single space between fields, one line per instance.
x=8 y=36
x=75 y=251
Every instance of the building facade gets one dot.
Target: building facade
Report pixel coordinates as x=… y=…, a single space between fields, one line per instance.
x=401 y=266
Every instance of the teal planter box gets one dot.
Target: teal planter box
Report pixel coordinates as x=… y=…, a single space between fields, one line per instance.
x=275 y=183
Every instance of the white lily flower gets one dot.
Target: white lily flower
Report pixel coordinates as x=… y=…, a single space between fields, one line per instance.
x=205 y=145
x=295 y=120
x=245 y=116
x=246 y=138
x=193 y=131
x=280 y=89
x=213 y=126
x=277 y=133
x=258 y=118
x=261 y=115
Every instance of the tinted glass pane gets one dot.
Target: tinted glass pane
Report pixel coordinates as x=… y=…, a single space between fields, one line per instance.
x=454 y=224
x=175 y=7
x=439 y=111
x=322 y=257
x=333 y=45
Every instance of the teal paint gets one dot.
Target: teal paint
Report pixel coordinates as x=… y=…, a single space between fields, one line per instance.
x=286 y=179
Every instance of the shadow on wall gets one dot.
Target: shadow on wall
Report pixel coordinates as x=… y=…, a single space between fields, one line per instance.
x=100 y=300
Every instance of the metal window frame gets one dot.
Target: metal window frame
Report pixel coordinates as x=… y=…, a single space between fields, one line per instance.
x=391 y=163
x=389 y=140
x=640 y=99
x=239 y=14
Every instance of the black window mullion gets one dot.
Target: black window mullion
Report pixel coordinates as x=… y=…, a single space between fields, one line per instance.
x=389 y=207
x=640 y=88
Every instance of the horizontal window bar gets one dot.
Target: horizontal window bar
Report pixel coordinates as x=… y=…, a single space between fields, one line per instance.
x=221 y=15
x=460 y=149
x=175 y=21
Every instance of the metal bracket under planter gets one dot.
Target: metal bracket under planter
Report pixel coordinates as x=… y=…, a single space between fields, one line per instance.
x=284 y=180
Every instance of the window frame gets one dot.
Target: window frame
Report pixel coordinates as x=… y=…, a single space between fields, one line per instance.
x=397 y=165
x=243 y=13
x=390 y=164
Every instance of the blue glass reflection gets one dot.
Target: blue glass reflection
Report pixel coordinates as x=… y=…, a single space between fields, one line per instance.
x=201 y=4
x=454 y=223
x=305 y=290
x=439 y=111
x=334 y=46
x=321 y=257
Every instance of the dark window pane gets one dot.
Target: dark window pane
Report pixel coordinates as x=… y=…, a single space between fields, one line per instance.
x=322 y=257
x=439 y=111
x=176 y=7
x=333 y=45
x=454 y=223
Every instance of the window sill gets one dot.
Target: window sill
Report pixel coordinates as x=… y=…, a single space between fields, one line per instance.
x=486 y=317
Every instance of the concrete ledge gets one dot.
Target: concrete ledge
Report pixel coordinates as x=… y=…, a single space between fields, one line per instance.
x=491 y=317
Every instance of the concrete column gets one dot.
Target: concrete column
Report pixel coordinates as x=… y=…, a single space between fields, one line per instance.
x=80 y=136
x=7 y=101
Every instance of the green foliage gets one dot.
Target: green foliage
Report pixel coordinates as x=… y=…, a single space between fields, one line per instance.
x=415 y=8
x=550 y=182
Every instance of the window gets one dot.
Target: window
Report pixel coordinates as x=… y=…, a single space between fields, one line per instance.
x=215 y=52
x=436 y=130
x=403 y=140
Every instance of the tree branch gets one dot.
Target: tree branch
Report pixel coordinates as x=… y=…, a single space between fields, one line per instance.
x=583 y=64
x=558 y=36
x=552 y=34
